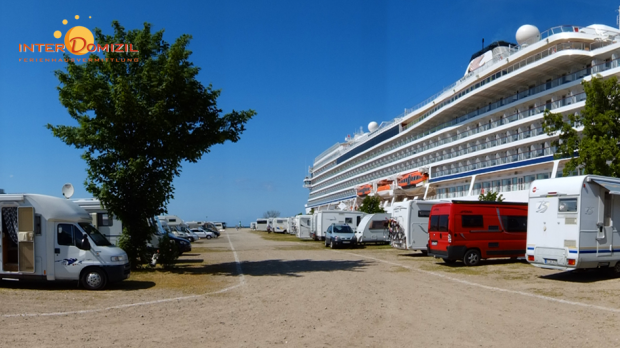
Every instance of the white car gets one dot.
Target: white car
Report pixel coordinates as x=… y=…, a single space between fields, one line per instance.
x=199 y=232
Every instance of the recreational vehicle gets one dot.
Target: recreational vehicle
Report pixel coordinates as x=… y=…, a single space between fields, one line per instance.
x=471 y=231
x=572 y=223
x=280 y=225
x=302 y=226
x=373 y=229
x=321 y=220
x=411 y=224
x=106 y=223
x=51 y=238
x=261 y=224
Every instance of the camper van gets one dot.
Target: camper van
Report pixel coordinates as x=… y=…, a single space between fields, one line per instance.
x=261 y=224
x=302 y=226
x=280 y=225
x=574 y=223
x=411 y=231
x=52 y=238
x=373 y=229
x=471 y=231
x=105 y=223
x=321 y=220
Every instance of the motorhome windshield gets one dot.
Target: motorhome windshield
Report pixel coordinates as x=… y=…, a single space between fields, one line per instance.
x=95 y=235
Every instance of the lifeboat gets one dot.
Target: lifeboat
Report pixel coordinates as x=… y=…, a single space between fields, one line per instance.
x=411 y=179
x=364 y=190
x=384 y=188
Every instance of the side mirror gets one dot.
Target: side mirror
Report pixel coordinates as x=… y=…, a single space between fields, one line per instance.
x=85 y=243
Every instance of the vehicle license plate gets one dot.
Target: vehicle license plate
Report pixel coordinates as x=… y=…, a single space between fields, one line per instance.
x=345 y=241
x=434 y=242
x=551 y=261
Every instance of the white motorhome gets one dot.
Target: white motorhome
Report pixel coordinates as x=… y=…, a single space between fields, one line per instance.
x=261 y=224
x=302 y=224
x=51 y=238
x=373 y=229
x=321 y=220
x=104 y=222
x=574 y=223
x=412 y=230
x=280 y=225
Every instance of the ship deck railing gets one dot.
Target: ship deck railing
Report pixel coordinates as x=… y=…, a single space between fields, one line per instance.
x=423 y=163
x=505 y=101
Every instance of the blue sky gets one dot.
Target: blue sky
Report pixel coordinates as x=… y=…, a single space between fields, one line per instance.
x=314 y=71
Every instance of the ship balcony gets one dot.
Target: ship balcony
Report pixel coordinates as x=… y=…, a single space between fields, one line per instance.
x=307 y=183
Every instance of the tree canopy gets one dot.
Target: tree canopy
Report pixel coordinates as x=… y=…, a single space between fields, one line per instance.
x=271 y=214
x=595 y=149
x=491 y=197
x=138 y=121
x=370 y=205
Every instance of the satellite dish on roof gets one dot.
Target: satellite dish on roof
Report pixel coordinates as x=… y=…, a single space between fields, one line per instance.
x=67 y=190
x=372 y=126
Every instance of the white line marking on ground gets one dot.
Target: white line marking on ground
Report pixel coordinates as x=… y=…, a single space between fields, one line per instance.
x=492 y=288
x=86 y=311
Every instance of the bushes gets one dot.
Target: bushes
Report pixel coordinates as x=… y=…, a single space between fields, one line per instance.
x=168 y=252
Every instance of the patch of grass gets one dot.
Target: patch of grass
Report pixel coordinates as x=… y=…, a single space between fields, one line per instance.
x=280 y=237
x=300 y=247
x=397 y=269
x=208 y=250
x=187 y=283
x=549 y=293
x=378 y=246
x=455 y=269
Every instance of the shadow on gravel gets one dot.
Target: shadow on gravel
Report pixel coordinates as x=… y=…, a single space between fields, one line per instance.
x=412 y=255
x=583 y=276
x=291 y=268
x=125 y=285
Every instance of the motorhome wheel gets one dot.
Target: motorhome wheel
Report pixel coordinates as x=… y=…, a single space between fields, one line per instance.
x=472 y=257
x=617 y=268
x=94 y=279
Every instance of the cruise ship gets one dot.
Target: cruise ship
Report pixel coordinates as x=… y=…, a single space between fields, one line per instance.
x=481 y=134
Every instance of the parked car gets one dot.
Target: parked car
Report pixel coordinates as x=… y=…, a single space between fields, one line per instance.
x=183 y=245
x=340 y=235
x=192 y=235
x=210 y=235
x=199 y=232
x=215 y=232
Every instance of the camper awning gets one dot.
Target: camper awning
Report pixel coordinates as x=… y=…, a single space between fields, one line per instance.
x=613 y=187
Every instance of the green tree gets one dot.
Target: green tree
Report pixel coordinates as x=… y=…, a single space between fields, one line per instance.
x=271 y=214
x=370 y=205
x=138 y=121
x=491 y=197
x=596 y=149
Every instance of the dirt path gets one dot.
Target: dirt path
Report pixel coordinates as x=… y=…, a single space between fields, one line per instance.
x=304 y=295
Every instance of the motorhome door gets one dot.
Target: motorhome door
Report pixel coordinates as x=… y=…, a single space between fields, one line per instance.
x=68 y=258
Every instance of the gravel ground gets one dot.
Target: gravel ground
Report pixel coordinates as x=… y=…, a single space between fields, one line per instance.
x=301 y=294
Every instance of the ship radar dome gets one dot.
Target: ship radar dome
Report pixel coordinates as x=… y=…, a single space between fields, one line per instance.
x=527 y=35
x=372 y=126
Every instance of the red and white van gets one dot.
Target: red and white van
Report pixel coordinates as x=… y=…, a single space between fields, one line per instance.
x=471 y=231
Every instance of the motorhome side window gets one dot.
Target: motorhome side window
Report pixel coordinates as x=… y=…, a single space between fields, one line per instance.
x=69 y=235
x=104 y=219
x=424 y=213
x=348 y=220
x=567 y=205
x=472 y=221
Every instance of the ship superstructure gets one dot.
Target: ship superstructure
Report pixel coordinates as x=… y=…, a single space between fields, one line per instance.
x=482 y=133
